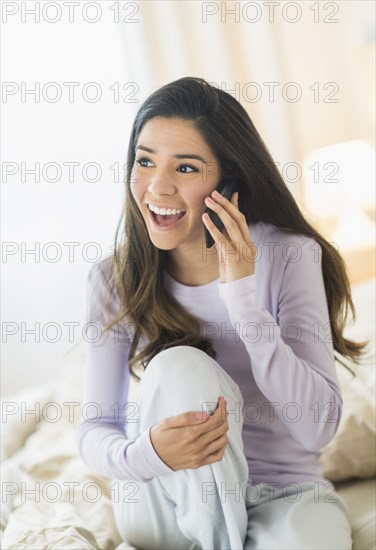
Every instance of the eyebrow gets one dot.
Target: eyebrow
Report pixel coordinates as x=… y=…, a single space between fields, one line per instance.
x=181 y=156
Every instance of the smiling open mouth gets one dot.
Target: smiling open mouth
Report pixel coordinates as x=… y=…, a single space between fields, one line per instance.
x=166 y=220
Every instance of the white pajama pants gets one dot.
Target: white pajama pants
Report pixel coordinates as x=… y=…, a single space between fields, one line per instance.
x=216 y=506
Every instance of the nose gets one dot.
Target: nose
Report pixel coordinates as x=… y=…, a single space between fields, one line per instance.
x=161 y=183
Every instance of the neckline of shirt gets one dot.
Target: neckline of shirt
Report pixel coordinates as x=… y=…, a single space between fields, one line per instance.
x=187 y=290
x=199 y=290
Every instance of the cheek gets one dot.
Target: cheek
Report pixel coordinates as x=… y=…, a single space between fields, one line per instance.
x=200 y=194
x=198 y=199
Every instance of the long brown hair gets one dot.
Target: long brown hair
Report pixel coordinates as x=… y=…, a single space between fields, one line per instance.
x=137 y=265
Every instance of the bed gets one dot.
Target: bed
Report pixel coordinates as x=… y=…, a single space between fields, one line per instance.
x=51 y=499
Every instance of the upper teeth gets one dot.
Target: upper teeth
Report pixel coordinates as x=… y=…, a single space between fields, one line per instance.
x=164 y=211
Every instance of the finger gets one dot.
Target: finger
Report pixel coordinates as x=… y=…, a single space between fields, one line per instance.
x=223 y=243
x=234 y=199
x=232 y=207
x=218 y=237
x=192 y=418
x=212 y=435
x=218 y=417
x=217 y=445
x=231 y=224
x=222 y=409
x=215 y=421
x=232 y=204
x=215 y=457
x=186 y=419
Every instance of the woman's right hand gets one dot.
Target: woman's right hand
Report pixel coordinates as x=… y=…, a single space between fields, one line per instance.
x=185 y=441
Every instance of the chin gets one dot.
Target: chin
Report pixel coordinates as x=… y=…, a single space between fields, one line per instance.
x=162 y=246
x=163 y=242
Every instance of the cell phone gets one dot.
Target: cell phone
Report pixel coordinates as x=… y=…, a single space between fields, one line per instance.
x=227 y=190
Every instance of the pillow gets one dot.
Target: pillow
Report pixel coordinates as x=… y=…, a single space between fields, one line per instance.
x=351 y=453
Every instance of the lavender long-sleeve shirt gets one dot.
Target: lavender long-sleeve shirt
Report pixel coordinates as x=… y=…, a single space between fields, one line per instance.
x=271 y=333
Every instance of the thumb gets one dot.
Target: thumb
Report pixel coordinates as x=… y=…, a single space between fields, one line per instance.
x=186 y=419
x=202 y=416
x=208 y=408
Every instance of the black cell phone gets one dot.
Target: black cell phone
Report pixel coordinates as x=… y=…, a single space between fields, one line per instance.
x=227 y=190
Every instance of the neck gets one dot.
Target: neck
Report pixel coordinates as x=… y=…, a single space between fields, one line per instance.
x=193 y=269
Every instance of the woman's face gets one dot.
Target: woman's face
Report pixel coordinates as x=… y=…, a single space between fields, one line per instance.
x=174 y=168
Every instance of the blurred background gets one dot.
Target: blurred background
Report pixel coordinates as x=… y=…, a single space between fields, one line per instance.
x=73 y=77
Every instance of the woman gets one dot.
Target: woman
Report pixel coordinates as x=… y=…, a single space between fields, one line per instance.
x=239 y=391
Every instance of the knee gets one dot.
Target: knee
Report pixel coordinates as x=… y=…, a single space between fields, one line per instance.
x=181 y=370
x=188 y=373
x=180 y=361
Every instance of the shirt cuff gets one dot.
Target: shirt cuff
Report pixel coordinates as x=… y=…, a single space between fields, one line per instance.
x=149 y=462
x=237 y=288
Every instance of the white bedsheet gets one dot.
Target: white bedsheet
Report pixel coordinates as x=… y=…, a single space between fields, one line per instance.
x=50 y=498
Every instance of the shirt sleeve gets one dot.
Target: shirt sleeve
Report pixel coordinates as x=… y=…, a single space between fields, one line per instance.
x=292 y=357
x=101 y=435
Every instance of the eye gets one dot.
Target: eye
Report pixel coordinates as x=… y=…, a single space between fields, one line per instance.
x=190 y=168
x=142 y=160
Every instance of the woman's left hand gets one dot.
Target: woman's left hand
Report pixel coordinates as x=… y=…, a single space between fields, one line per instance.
x=235 y=247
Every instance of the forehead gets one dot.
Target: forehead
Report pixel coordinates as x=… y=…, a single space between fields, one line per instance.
x=173 y=134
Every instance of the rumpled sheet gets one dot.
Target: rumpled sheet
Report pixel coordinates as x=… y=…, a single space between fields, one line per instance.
x=50 y=498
